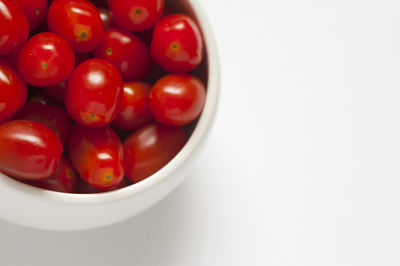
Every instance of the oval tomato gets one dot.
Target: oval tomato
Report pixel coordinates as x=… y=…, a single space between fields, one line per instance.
x=177 y=44
x=45 y=60
x=177 y=99
x=64 y=178
x=51 y=116
x=134 y=109
x=150 y=148
x=127 y=52
x=13 y=92
x=28 y=150
x=97 y=154
x=14 y=26
x=94 y=93
x=77 y=21
x=35 y=11
x=136 y=15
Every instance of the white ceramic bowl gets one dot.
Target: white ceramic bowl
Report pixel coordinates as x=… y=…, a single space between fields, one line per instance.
x=43 y=209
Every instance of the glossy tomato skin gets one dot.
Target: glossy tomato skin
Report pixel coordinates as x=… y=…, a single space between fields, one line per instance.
x=94 y=93
x=45 y=60
x=64 y=178
x=134 y=109
x=35 y=11
x=77 y=21
x=14 y=26
x=97 y=155
x=177 y=44
x=28 y=150
x=13 y=92
x=106 y=16
x=150 y=148
x=127 y=52
x=51 y=116
x=136 y=15
x=177 y=99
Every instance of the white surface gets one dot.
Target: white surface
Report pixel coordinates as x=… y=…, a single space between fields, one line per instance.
x=303 y=165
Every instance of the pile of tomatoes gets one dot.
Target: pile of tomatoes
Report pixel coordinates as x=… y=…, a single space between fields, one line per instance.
x=95 y=95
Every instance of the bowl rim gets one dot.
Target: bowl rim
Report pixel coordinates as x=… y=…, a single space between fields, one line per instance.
x=203 y=125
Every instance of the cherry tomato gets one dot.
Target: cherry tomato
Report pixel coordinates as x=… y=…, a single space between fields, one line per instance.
x=177 y=44
x=97 y=154
x=45 y=60
x=136 y=15
x=42 y=99
x=51 y=116
x=94 y=93
x=35 y=11
x=150 y=148
x=106 y=16
x=127 y=52
x=64 y=178
x=78 y=21
x=14 y=26
x=56 y=92
x=85 y=188
x=134 y=108
x=28 y=150
x=13 y=92
x=177 y=99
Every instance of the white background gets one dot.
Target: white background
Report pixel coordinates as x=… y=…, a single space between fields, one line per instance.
x=302 y=167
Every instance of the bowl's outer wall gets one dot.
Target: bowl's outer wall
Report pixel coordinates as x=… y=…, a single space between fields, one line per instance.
x=41 y=209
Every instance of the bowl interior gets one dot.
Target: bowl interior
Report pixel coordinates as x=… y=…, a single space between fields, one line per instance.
x=207 y=71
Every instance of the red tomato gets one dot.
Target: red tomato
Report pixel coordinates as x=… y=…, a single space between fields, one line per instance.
x=28 y=150
x=85 y=188
x=136 y=15
x=134 y=108
x=177 y=100
x=97 y=154
x=78 y=21
x=45 y=60
x=56 y=92
x=13 y=92
x=127 y=52
x=94 y=93
x=106 y=16
x=51 y=116
x=14 y=26
x=64 y=178
x=150 y=148
x=177 y=44
x=35 y=11
x=42 y=99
